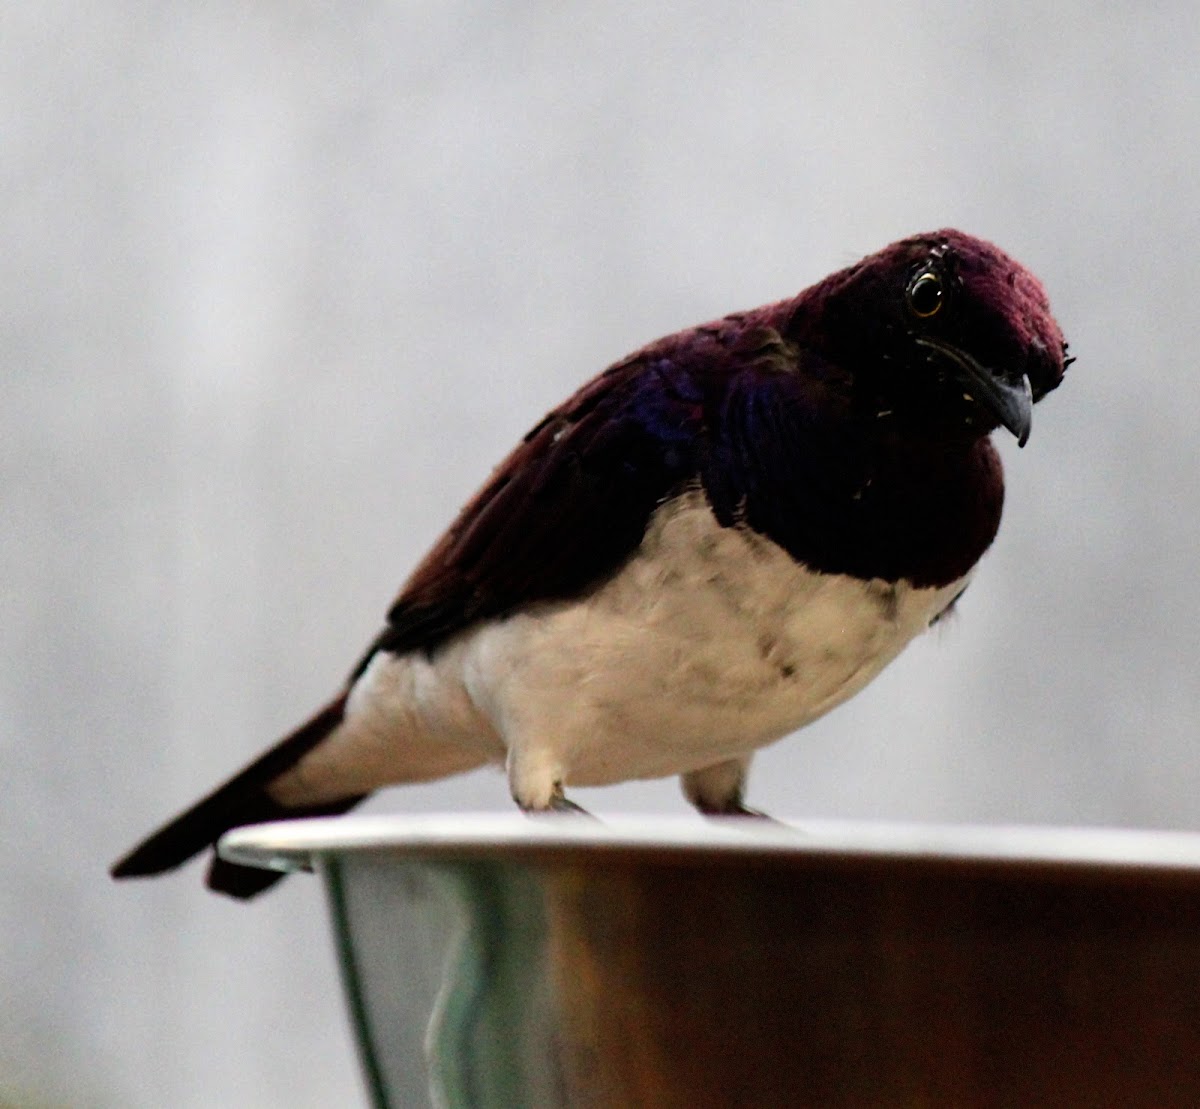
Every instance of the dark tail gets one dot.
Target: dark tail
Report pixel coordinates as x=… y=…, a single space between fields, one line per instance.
x=241 y=800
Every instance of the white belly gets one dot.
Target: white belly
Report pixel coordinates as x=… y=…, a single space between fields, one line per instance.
x=709 y=643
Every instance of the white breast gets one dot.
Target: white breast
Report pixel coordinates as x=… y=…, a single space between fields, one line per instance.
x=709 y=643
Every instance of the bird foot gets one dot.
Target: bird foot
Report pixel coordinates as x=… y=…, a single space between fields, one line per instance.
x=733 y=808
x=558 y=802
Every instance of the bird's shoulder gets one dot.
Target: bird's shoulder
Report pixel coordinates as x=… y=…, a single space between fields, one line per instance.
x=572 y=500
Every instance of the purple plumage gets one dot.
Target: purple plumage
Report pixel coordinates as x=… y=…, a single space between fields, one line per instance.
x=712 y=543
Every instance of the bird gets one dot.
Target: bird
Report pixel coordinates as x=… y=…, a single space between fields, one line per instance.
x=712 y=543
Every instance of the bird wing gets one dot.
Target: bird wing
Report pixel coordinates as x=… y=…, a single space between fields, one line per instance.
x=563 y=510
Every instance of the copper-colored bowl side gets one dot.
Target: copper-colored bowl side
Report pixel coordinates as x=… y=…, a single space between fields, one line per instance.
x=587 y=966
x=855 y=983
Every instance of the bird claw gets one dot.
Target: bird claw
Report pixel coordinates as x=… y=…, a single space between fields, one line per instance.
x=735 y=808
x=558 y=802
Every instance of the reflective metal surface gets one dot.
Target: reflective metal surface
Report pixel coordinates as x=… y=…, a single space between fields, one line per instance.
x=503 y=961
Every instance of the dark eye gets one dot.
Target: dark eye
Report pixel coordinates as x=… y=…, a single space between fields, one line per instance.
x=925 y=294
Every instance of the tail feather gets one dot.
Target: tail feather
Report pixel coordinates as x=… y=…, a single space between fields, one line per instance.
x=241 y=800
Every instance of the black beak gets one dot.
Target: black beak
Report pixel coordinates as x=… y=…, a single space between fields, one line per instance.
x=1011 y=404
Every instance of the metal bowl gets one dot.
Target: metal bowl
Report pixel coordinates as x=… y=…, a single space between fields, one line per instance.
x=505 y=961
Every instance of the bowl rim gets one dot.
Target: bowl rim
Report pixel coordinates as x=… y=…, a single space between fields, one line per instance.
x=302 y=844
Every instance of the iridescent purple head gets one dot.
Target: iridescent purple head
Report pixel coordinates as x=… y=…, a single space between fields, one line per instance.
x=946 y=335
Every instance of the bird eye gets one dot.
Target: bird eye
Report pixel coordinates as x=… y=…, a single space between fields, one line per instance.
x=925 y=294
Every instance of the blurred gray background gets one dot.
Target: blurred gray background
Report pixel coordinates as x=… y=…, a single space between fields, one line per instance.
x=279 y=283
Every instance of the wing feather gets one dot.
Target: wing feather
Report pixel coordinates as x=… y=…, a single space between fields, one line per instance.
x=562 y=511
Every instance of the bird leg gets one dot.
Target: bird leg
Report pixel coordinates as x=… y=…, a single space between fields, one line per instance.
x=718 y=790
x=537 y=787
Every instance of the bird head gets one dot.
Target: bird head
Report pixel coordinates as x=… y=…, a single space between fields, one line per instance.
x=943 y=334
